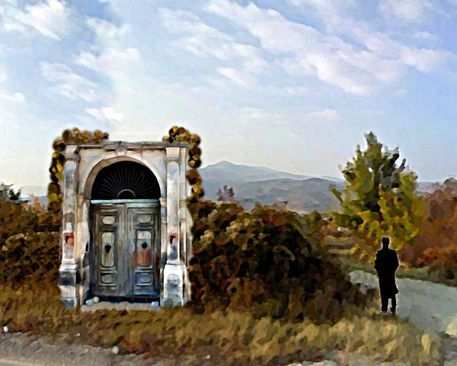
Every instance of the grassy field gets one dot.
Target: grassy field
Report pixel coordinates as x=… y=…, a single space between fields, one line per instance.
x=230 y=337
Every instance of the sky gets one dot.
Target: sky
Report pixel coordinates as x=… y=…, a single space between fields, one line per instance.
x=291 y=84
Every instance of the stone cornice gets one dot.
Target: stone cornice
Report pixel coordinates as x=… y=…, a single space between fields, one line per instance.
x=140 y=145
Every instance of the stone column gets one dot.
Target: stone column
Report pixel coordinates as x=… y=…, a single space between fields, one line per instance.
x=184 y=222
x=163 y=238
x=68 y=271
x=174 y=272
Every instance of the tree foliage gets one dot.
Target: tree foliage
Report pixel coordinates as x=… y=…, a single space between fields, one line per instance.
x=379 y=198
x=436 y=245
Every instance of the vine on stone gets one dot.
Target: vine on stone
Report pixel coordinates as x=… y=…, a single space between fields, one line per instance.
x=181 y=134
x=68 y=136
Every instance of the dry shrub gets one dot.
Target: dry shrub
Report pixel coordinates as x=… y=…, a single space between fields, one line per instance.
x=231 y=338
x=266 y=260
x=438 y=229
x=27 y=250
x=441 y=263
x=436 y=246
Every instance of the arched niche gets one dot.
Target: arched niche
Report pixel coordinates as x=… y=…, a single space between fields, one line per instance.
x=88 y=179
x=125 y=180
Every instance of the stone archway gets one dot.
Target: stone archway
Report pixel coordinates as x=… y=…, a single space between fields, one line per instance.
x=125 y=233
x=96 y=193
x=125 y=180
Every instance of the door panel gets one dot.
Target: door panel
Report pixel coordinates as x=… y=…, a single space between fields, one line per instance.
x=143 y=233
x=108 y=246
x=126 y=250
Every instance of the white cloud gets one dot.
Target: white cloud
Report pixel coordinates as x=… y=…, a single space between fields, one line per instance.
x=260 y=115
x=360 y=67
x=426 y=36
x=68 y=83
x=3 y=74
x=6 y=95
x=326 y=115
x=12 y=97
x=204 y=41
x=50 y=18
x=109 y=60
x=236 y=76
x=106 y=31
x=412 y=11
x=297 y=90
x=107 y=114
x=109 y=55
x=400 y=92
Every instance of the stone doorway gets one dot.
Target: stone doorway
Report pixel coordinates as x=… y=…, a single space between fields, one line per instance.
x=125 y=233
x=125 y=225
x=126 y=250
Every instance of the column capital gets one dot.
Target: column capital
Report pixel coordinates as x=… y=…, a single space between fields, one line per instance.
x=173 y=153
x=71 y=153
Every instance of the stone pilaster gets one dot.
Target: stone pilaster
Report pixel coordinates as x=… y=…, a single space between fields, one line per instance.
x=174 y=273
x=68 y=271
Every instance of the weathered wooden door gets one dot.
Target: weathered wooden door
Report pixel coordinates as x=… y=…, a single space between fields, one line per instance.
x=126 y=249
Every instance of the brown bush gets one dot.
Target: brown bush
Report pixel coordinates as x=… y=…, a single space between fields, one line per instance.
x=266 y=260
x=438 y=231
x=28 y=249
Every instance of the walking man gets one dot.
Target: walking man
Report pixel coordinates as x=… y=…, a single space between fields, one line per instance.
x=386 y=264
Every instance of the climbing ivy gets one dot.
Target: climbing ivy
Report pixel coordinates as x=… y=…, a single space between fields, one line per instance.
x=180 y=134
x=68 y=136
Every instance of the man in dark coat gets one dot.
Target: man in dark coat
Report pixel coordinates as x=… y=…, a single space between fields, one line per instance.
x=386 y=264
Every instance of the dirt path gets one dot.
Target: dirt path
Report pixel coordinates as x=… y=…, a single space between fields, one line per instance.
x=17 y=349
x=428 y=305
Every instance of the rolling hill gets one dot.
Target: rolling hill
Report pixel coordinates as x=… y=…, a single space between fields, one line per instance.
x=264 y=185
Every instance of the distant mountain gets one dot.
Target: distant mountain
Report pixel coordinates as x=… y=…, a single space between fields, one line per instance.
x=216 y=175
x=301 y=195
x=265 y=185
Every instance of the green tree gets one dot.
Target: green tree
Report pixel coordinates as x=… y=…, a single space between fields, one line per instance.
x=380 y=198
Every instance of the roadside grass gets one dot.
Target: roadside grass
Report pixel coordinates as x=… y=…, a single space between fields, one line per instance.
x=228 y=337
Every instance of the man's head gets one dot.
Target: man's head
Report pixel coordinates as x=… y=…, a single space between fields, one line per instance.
x=385 y=242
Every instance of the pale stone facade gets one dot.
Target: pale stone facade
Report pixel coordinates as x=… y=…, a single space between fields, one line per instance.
x=79 y=278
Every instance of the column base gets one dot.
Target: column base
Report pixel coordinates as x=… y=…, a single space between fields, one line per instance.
x=173 y=294
x=68 y=284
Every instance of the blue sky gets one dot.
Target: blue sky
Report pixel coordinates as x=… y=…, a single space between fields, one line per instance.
x=291 y=84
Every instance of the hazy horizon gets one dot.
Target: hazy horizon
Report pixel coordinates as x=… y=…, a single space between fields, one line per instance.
x=291 y=85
